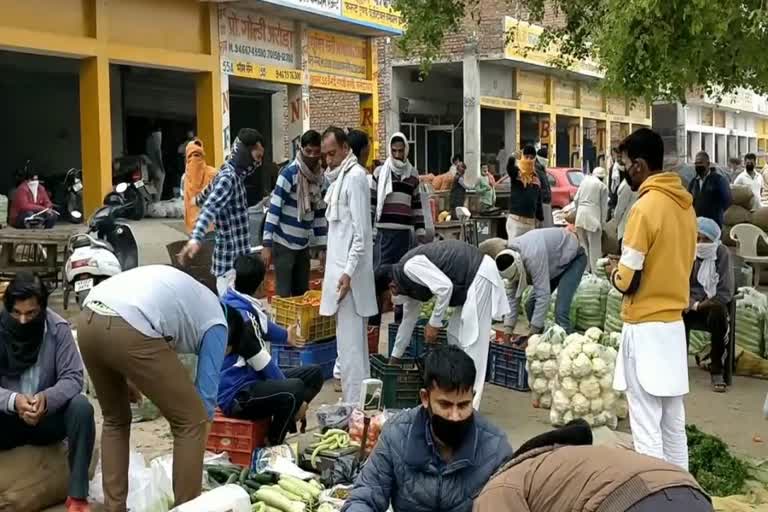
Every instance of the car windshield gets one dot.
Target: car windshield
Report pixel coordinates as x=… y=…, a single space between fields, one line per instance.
x=575 y=177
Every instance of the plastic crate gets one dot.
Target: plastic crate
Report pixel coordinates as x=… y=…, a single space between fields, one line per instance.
x=323 y=354
x=506 y=367
x=417 y=346
x=239 y=438
x=401 y=382
x=312 y=327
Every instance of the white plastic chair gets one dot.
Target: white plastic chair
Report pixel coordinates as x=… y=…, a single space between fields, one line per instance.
x=747 y=236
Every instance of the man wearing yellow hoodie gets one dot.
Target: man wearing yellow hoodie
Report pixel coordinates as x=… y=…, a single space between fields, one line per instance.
x=653 y=272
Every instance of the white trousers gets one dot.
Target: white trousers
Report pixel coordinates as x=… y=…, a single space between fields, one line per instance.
x=592 y=242
x=658 y=423
x=351 y=349
x=516 y=228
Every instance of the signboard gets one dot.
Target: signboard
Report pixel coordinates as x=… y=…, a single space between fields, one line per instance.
x=335 y=54
x=248 y=36
x=498 y=103
x=341 y=83
x=328 y=7
x=262 y=72
x=376 y=12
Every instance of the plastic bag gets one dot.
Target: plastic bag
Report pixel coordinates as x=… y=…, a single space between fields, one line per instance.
x=357 y=426
x=334 y=416
x=145 y=486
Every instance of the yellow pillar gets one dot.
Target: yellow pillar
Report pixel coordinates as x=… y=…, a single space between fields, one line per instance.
x=209 y=115
x=369 y=103
x=95 y=131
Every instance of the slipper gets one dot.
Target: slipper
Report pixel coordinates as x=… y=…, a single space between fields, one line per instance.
x=718 y=384
x=337 y=385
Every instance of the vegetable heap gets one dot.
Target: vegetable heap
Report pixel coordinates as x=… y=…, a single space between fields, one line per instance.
x=332 y=439
x=268 y=492
x=710 y=462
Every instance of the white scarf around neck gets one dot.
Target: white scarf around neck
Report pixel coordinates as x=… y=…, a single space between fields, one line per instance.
x=401 y=168
x=336 y=178
x=707 y=275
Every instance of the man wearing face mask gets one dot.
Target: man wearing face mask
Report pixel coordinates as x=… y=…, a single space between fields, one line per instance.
x=437 y=456
x=710 y=190
x=30 y=198
x=225 y=204
x=41 y=379
x=625 y=198
x=653 y=273
x=711 y=293
x=348 y=285
x=296 y=221
x=752 y=179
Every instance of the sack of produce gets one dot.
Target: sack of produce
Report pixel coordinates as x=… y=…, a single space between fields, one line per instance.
x=751 y=308
x=613 y=321
x=583 y=387
x=588 y=307
x=759 y=218
x=698 y=341
x=541 y=362
x=600 y=270
x=725 y=237
x=742 y=196
x=738 y=215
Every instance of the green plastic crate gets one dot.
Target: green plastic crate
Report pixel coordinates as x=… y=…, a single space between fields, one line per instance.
x=401 y=382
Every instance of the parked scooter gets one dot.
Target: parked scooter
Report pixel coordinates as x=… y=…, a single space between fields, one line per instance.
x=106 y=249
x=73 y=199
x=132 y=170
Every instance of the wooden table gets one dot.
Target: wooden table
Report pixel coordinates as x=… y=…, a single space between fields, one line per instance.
x=42 y=251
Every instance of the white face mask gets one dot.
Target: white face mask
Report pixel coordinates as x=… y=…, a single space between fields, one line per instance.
x=706 y=250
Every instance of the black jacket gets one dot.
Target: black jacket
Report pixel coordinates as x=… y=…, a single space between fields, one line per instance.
x=712 y=198
x=524 y=201
x=546 y=189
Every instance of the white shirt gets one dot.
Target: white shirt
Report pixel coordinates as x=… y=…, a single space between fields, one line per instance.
x=591 y=204
x=755 y=184
x=162 y=302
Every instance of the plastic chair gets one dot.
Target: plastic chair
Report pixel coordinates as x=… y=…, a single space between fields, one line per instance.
x=747 y=236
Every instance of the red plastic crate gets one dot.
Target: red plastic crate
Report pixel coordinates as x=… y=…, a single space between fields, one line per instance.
x=237 y=437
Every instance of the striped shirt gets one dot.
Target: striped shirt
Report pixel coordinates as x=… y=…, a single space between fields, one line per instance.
x=402 y=208
x=282 y=225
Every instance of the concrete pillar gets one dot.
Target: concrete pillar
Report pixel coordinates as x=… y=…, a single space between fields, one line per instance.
x=298 y=95
x=681 y=133
x=209 y=114
x=472 y=146
x=226 y=127
x=116 y=110
x=95 y=131
x=510 y=136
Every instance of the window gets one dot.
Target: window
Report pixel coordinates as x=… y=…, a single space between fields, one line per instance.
x=575 y=177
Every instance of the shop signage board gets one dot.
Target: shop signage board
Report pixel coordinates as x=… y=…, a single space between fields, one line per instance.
x=327 y=7
x=498 y=103
x=336 y=54
x=262 y=72
x=341 y=83
x=376 y=12
x=247 y=36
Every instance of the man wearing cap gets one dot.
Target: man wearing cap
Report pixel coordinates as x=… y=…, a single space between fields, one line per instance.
x=549 y=259
x=591 y=214
x=711 y=293
x=457 y=275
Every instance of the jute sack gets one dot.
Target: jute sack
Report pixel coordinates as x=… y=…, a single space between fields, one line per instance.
x=742 y=196
x=760 y=218
x=738 y=215
x=33 y=478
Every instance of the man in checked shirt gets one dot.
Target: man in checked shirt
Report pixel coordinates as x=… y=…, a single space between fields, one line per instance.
x=224 y=203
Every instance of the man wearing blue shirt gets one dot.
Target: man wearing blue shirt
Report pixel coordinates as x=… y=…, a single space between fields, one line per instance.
x=252 y=385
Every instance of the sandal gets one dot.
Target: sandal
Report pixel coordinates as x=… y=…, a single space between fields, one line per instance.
x=718 y=384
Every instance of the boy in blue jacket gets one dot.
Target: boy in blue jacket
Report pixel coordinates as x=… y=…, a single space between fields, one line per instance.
x=252 y=386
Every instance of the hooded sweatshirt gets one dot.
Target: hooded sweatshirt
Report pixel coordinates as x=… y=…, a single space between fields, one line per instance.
x=658 y=253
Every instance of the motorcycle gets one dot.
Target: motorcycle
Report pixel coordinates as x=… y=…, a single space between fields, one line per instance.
x=73 y=199
x=106 y=249
x=132 y=170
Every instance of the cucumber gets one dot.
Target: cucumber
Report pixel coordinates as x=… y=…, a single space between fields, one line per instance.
x=264 y=478
x=243 y=475
x=231 y=479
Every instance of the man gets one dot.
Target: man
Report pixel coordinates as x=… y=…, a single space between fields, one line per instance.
x=41 y=379
x=296 y=221
x=591 y=214
x=457 y=275
x=626 y=197
x=360 y=146
x=225 y=203
x=396 y=210
x=525 y=196
x=734 y=168
x=457 y=158
x=348 y=285
x=752 y=179
x=712 y=291
x=562 y=470
x=540 y=166
x=458 y=189
x=711 y=191
x=153 y=148
x=549 y=259
x=30 y=198
x=436 y=456
x=131 y=329
x=501 y=157
x=653 y=273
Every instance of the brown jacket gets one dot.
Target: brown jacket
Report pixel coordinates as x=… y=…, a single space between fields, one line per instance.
x=583 y=478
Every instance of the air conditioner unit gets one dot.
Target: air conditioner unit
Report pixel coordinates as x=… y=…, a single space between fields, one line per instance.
x=422 y=107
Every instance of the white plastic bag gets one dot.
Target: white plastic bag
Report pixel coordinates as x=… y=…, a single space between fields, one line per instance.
x=145 y=486
x=227 y=498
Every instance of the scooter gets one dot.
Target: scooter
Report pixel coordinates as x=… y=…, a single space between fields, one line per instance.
x=132 y=170
x=73 y=198
x=106 y=249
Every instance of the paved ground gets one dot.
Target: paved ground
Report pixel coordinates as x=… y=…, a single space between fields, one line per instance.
x=736 y=416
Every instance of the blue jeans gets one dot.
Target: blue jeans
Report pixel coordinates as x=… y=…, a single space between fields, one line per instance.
x=566 y=285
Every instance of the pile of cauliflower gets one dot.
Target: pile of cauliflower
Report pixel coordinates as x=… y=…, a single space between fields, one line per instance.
x=573 y=376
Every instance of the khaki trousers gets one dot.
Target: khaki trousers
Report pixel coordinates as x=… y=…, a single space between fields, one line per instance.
x=113 y=352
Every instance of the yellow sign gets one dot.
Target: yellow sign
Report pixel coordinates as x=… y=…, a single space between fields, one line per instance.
x=341 y=83
x=377 y=12
x=498 y=103
x=335 y=54
x=261 y=72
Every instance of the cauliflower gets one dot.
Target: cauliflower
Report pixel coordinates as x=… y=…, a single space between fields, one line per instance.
x=569 y=386
x=530 y=351
x=582 y=365
x=593 y=333
x=579 y=404
x=599 y=367
x=609 y=400
x=555 y=334
x=608 y=419
x=543 y=351
x=539 y=385
x=610 y=354
x=574 y=338
x=549 y=369
x=534 y=340
x=556 y=349
x=531 y=378
x=555 y=418
x=545 y=402
x=565 y=365
x=606 y=381
x=589 y=418
x=553 y=385
x=573 y=349
x=621 y=408
x=536 y=368
x=567 y=417
x=590 y=387
x=596 y=405
x=592 y=350
x=560 y=401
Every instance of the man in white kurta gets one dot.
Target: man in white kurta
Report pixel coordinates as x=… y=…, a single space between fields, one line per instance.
x=348 y=285
x=591 y=214
x=458 y=275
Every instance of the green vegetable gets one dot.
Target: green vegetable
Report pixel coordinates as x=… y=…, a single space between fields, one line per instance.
x=279 y=501
x=259 y=506
x=285 y=492
x=243 y=475
x=264 y=478
x=232 y=479
x=305 y=487
x=712 y=465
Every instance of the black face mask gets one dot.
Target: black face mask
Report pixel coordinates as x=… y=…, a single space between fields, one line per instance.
x=750 y=167
x=701 y=170
x=450 y=433
x=21 y=343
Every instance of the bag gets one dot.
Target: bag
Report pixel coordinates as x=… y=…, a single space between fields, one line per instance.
x=145 y=486
x=589 y=303
x=613 y=321
x=742 y=196
x=738 y=215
